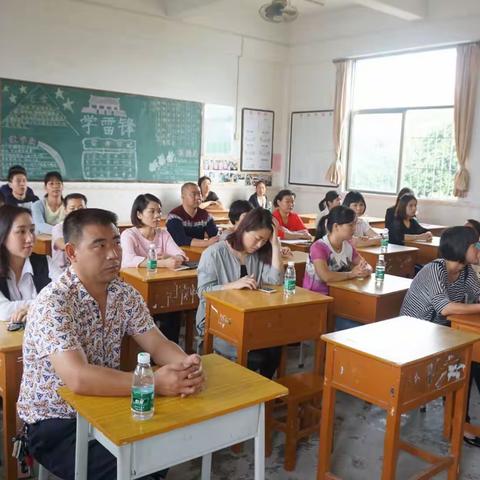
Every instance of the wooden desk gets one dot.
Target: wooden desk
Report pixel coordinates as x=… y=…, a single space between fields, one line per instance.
x=308 y=217
x=399 y=260
x=223 y=221
x=435 y=229
x=466 y=323
x=193 y=253
x=398 y=365
x=166 y=291
x=298 y=247
x=230 y=410
x=43 y=244
x=375 y=221
x=217 y=212
x=251 y=320
x=11 y=368
x=361 y=300
x=427 y=251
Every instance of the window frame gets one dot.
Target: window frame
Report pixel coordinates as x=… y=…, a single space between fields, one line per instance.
x=401 y=110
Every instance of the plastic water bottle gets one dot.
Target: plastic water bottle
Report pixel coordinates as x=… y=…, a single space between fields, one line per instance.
x=143 y=389
x=289 y=280
x=380 y=271
x=384 y=241
x=152 y=259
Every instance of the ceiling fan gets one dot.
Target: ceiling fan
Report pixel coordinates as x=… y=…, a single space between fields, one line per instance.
x=281 y=11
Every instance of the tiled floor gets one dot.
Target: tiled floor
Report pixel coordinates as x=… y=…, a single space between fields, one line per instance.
x=358 y=446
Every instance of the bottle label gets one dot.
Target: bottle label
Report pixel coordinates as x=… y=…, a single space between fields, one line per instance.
x=384 y=242
x=289 y=284
x=152 y=264
x=379 y=273
x=142 y=399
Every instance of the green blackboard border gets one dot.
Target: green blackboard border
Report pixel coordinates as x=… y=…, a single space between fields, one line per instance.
x=122 y=93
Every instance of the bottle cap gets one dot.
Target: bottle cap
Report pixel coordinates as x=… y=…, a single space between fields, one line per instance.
x=291 y=264
x=381 y=257
x=152 y=245
x=143 y=357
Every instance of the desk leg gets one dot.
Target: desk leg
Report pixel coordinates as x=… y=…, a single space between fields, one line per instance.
x=391 y=444
x=206 y=466
x=260 y=445
x=458 y=422
x=189 y=316
x=124 y=462
x=81 y=449
x=328 y=418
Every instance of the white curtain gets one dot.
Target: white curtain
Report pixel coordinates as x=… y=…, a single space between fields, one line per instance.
x=466 y=81
x=335 y=172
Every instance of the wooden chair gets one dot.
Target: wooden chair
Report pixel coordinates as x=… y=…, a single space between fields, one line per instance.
x=297 y=415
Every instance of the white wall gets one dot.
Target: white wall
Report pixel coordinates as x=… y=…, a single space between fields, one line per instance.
x=96 y=46
x=312 y=83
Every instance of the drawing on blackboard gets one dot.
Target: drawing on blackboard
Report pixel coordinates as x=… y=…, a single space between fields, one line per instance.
x=35 y=109
x=108 y=158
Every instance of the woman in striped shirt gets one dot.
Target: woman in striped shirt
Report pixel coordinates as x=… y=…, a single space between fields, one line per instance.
x=449 y=286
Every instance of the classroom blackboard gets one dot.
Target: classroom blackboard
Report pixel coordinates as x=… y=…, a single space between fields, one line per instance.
x=311 y=147
x=92 y=135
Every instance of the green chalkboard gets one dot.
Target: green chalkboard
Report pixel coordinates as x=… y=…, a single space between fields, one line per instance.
x=92 y=135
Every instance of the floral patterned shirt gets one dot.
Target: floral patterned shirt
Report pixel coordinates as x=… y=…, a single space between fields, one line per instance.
x=64 y=317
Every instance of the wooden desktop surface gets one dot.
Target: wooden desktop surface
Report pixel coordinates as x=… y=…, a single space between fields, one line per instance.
x=362 y=300
x=386 y=341
x=229 y=387
x=468 y=323
x=43 y=244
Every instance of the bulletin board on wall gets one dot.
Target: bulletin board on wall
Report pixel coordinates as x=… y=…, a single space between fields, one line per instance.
x=311 y=147
x=257 y=140
x=94 y=135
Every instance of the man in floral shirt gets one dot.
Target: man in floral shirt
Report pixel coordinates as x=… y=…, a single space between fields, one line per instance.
x=73 y=337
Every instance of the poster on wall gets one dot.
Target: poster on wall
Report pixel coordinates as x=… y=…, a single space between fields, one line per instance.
x=257 y=140
x=238 y=178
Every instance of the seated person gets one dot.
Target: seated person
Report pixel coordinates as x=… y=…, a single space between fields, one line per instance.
x=209 y=197
x=333 y=258
x=331 y=199
x=248 y=257
x=189 y=224
x=238 y=210
x=448 y=286
x=405 y=226
x=475 y=224
x=50 y=210
x=145 y=217
x=23 y=274
x=290 y=225
x=364 y=235
x=73 y=338
x=259 y=198
x=17 y=192
x=71 y=203
x=390 y=212
x=2 y=199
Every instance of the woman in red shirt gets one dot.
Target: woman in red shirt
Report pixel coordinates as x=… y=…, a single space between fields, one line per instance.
x=290 y=226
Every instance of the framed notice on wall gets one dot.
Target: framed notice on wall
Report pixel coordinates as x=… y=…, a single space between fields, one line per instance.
x=257 y=140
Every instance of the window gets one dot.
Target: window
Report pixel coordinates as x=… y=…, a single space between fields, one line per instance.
x=218 y=125
x=401 y=130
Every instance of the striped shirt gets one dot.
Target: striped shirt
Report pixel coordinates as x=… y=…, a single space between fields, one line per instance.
x=431 y=291
x=183 y=228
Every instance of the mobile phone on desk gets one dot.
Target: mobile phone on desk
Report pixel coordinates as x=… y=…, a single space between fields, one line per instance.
x=14 y=327
x=186 y=266
x=266 y=289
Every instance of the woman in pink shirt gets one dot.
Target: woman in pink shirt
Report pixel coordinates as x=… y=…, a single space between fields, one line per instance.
x=145 y=216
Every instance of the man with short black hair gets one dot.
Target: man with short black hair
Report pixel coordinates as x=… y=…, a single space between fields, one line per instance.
x=73 y=338
x=17 y=192
x=188 y=224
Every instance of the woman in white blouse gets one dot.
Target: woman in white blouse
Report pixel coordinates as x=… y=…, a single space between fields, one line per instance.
x=22 y=273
